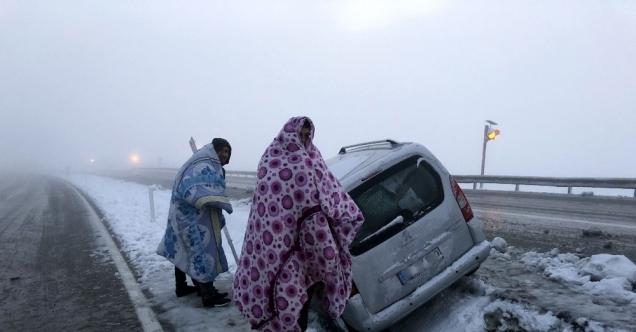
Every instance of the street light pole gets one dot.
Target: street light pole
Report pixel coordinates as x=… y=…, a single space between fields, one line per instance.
x=483 y=153
x=488 y=135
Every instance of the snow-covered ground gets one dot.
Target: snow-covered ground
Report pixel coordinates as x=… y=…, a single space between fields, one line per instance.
x=500 y=297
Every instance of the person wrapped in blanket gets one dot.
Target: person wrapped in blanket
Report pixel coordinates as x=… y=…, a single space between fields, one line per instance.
x=299 y=232
x=192 y=241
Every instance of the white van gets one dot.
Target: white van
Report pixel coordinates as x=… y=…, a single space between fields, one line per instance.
x=419 y=235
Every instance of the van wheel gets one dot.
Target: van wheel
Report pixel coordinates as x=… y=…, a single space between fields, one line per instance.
x=342 y=325
x=472 y=271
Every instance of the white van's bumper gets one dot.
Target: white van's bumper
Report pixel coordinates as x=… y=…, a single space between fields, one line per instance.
x=356 y=314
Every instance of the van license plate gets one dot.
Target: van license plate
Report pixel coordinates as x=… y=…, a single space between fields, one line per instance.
x=419 y=267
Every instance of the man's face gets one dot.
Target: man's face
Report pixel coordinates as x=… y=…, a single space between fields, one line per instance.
x=304 y=134
x=223 y=154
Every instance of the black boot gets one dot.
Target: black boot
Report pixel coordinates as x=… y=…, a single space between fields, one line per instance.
x=181 y=286
x=196 y=284
x=216 y=302
x=220 y=294
x=181 y=291
x=211 y=297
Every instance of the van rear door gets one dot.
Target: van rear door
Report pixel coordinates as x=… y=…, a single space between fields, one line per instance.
x=413 y=229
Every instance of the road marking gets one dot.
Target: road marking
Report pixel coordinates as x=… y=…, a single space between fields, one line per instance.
x=558 y=219
x=146 y=316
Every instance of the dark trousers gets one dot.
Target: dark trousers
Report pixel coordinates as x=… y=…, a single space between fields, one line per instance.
x=180 y=280
x=207 y=290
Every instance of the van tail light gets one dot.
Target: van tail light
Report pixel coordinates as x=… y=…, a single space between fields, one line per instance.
x=354 y=289
x=467 y=212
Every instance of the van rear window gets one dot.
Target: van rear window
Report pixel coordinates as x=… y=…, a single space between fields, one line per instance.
x=395 y=199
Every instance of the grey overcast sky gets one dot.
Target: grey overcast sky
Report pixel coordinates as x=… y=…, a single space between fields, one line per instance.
x=102 y=80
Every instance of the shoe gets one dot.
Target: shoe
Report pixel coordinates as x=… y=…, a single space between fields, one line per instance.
x=187 y=290
x=216 y=301
x=219 y=294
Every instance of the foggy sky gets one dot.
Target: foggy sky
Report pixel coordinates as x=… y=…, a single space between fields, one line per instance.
x=82 y=80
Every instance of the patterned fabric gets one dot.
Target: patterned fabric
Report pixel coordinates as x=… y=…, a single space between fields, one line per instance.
x=192 y=241
x=300 y=227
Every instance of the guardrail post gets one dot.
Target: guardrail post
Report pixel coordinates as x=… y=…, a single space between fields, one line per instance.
x=635 y=193
x=517 y=187
x=569 y=190
x=152 y=204
x=475 y=186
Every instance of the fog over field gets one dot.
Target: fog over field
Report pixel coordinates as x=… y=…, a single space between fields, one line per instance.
x=88 y=84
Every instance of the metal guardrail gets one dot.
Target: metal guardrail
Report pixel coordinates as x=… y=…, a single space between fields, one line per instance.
x=244 y=174
x=247 y=178
x=608 y=183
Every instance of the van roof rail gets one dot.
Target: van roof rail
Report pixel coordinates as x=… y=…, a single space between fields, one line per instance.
x=393 y=143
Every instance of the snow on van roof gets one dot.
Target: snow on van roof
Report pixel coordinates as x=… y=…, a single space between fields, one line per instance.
x=343 y=166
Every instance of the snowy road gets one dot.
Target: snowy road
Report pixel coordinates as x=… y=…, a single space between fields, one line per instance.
x=56 y=275
x=528 y=288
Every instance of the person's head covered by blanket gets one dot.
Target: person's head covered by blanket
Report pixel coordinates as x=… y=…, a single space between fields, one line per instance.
x=300 y=228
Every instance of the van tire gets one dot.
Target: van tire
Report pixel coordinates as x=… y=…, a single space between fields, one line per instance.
x=472 y=271
x=342 y=325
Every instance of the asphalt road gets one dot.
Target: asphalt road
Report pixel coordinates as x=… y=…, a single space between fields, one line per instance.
x=56 y=274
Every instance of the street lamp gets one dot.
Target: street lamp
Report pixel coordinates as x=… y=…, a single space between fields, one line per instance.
x=489 y=134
